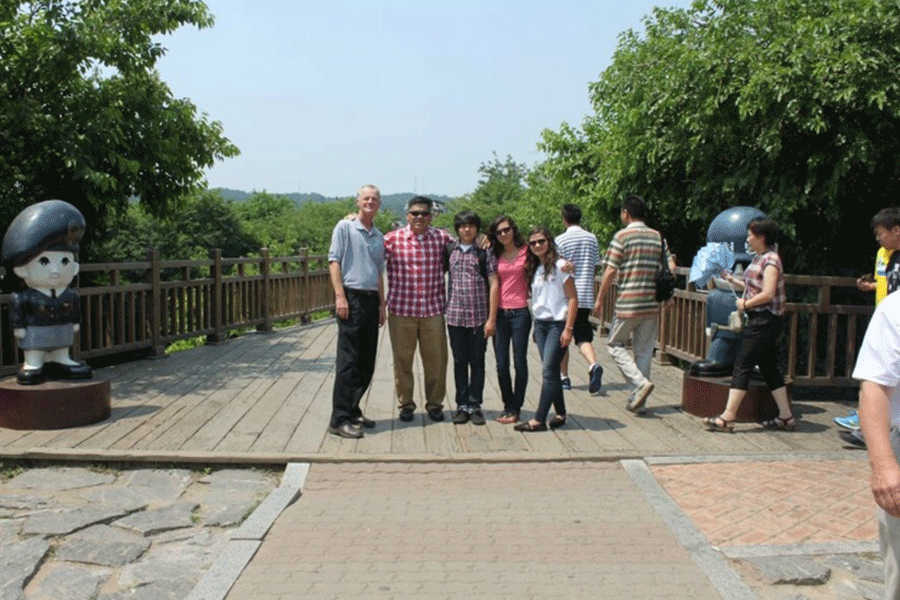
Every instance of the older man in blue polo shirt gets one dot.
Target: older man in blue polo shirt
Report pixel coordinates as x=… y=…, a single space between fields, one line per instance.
x=356 y=265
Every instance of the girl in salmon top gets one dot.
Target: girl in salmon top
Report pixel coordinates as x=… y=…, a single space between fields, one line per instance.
x=513 y=316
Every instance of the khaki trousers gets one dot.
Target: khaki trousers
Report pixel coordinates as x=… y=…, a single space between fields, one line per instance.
x=430 y=334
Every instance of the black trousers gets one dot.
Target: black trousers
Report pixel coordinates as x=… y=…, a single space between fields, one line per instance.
x=469 y=347
x=357 y=342
x=758 y=348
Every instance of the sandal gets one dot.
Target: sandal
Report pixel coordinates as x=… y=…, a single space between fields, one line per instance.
x=527 y=426
x=789 y=424
x=508 y=417
x=719 y=424
x=557 y=421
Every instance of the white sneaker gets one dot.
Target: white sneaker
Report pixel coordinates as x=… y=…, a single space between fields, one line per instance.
x=640 y=397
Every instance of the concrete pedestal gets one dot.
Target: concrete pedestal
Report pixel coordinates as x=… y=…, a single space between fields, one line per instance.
x=53 y=404
x=706 y=397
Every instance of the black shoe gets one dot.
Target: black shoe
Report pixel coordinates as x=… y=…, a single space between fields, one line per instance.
x=596 y=379
x=436 y=414
x=406 y=414
x=460 y=417
x=477 y=417
x=853 y=437
x=60 y=371
x=30 y=376
x=362 y=421
x=566 y=383
x=527 y=426
x=346 y=430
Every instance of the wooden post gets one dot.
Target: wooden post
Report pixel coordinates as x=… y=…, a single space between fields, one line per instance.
x=265 y=292
x=662 y=356
x=157 y=347
x=218 y=335
x=306 y=291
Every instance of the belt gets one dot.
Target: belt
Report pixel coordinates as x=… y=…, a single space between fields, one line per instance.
x=361 y=292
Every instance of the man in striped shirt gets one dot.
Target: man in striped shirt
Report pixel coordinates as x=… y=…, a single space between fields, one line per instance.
x=633 y=259
x=581 y=248
x=416 y=302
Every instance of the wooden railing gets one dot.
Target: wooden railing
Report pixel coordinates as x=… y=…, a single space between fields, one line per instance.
x=819 y=343
x=147 y=305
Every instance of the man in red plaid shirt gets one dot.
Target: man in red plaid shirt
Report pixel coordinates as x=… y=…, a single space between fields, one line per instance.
x=416 y=301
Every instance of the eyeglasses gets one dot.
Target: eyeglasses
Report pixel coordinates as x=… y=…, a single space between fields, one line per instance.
x=419 y=213
x=534 y=243
x=504 y=230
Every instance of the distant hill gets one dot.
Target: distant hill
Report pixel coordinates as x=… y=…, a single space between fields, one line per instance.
x=395 y=202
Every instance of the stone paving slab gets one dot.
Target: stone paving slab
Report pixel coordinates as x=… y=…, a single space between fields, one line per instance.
x=80 y=533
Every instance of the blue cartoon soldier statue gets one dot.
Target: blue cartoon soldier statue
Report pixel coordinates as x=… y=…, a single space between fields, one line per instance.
x=41 y=246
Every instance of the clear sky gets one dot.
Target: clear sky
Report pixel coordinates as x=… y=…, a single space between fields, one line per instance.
x=323 y=96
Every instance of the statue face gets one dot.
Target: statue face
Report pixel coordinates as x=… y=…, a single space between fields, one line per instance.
x=49 y=269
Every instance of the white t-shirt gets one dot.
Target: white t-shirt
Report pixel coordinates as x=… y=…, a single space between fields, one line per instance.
x=879 y=357
x=548 y=298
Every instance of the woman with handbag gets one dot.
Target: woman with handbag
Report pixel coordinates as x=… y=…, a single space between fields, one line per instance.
x=763 y=304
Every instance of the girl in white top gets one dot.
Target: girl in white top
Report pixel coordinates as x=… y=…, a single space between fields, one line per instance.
x=554 y=304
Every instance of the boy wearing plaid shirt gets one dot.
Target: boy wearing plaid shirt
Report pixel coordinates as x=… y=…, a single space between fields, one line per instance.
x=471 y=314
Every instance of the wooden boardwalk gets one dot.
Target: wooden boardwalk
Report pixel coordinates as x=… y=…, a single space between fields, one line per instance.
x=266 y=398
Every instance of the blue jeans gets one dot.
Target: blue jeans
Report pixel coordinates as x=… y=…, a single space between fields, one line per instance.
x=468 y=346
x=546 y=336
x=513 y=325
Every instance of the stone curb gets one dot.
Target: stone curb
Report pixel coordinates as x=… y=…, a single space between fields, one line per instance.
x=223 y=574
x=716 y=568
x=800 y=549
x=737 y=458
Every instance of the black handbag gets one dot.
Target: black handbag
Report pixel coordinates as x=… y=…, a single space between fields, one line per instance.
x=665 y=280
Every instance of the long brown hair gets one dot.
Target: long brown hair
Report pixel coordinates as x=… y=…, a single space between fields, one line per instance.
x=496 y=246
x=548 y=260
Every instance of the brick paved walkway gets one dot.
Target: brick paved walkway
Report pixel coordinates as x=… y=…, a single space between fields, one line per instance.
x=496 y=531
x=790 y=502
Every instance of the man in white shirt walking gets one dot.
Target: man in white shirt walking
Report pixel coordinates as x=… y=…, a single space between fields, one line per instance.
x=581 y=248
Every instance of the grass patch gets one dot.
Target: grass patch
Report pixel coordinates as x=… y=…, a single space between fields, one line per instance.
x=10 y=469
x=188 y=344
x=319 y=315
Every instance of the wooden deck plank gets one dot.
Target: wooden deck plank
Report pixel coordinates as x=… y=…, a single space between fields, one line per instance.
x=311 y=431
x=207 y=378
x=293 y=408
x=280 y=406
x=267 y=395
x=379 y=403
x=233 y=404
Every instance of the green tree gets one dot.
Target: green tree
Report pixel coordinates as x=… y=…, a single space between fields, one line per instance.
x=205 y=221
x=502 y=189
x=273 y=220
x=788 y=105
x=85 y=117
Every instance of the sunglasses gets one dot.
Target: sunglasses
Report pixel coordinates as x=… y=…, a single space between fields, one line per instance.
x=534 y=243
x=504 y=230
x=419 y=213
